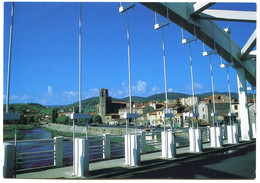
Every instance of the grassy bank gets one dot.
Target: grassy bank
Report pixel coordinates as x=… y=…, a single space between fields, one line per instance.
x=9 y=131
x=64 y=134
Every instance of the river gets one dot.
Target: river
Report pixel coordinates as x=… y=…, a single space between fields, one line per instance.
x=37 y=133
x=33 y=154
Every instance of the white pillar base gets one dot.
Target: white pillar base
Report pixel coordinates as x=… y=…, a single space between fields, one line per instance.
x=132 y=150
x=8 y=168
x=224 y=130
x=232 y=134
x=254 y=130
x=81 y=157
x=195 y=140
x=168 y=145
x=216 y=136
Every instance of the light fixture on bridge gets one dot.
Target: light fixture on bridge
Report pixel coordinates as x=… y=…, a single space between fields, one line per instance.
x=213 y=114
x=188 y=40
x=161 y=24
x=211 y=52
x=130 y=115
x=226 y=65
x=126 y=7
x=194 y=115
x=167 y=115
x=230 y=114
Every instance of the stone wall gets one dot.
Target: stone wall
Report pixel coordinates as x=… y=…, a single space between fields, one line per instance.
x=93 y=130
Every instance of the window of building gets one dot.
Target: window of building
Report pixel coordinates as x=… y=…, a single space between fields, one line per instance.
x=203 y=109
x=236 y=107
x=203 y=116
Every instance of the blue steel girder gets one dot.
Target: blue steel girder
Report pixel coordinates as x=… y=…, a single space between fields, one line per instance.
x=207 y=31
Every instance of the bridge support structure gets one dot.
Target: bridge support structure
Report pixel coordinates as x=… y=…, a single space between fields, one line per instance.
x=168 y=144
x=132 y=150
x=254 y=130
x=216 y=136
x=107 y=145
x=58 y=151
x=246 y=133
x=81 y=157
x=232 y=132
x=9 y=152
x=195 y=139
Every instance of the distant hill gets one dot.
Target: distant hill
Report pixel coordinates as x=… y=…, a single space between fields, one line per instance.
x=91 y=102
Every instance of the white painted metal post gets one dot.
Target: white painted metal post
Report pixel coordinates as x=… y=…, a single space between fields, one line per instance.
x=9 y=59
x=58 y=151
x=165 y=80
x=80 y=57
x=107 y=146
x=213 y=92
x=198 y=140
x=82 y=163
x=8 y=169
x=73 y=139
x=192 y=85
x=243 y=105
x=143 y=142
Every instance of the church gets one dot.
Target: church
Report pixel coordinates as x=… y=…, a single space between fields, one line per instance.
x=106 y=108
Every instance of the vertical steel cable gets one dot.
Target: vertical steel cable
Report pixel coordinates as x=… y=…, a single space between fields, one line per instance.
x=9 y=58
x=165 y=81
x=213 y=92
x=192 y=82
x=80 y=57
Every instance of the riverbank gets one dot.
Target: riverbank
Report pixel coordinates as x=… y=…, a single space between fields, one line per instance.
x=9 y=131
x=67 y=130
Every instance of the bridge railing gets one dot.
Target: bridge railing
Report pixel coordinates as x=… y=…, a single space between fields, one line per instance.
x=31 y=154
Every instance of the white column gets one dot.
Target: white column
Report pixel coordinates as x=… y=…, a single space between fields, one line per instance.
x=243 y=105
x=195 y=139
x=213 y=139
x=232 y=131
x=192 y=139
x=143 y=142
x=81 y=157
x=219 y=133
x=107 y=146
x=254 y=130
x=216 y=136
x=58 y=150
x=224 y=129
x=132 y=150
x=8 y=169
x=198 y=140
x=168 y=145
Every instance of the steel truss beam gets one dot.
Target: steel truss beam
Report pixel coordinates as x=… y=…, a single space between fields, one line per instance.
x=229 y=15
x=179 y=13
x=200 y=7
x=250 y=44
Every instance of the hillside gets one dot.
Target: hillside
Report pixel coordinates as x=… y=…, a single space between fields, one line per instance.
x=91 y=102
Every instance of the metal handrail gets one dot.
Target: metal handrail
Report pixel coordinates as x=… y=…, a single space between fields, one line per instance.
x=37 y=152
x=24 y=162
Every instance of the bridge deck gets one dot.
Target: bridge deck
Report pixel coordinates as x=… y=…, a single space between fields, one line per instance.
x=115 y=167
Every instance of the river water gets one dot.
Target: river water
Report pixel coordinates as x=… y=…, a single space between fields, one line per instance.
x=33 y=154
x=37 y=133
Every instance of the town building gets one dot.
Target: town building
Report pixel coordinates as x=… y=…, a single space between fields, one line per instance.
x=107 y=106
x=188 y=101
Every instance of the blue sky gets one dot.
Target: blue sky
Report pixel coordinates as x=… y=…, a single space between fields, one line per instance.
x=45 y=53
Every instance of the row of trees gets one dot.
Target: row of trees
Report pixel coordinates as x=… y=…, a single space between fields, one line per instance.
x=66 y=120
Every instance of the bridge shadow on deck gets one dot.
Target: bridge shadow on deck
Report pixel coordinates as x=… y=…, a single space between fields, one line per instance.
x=185 y=166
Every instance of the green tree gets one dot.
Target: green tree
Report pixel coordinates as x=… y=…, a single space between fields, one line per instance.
x=29 y=119
x=54 y=115
x=97 y=119
x=62 y=119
